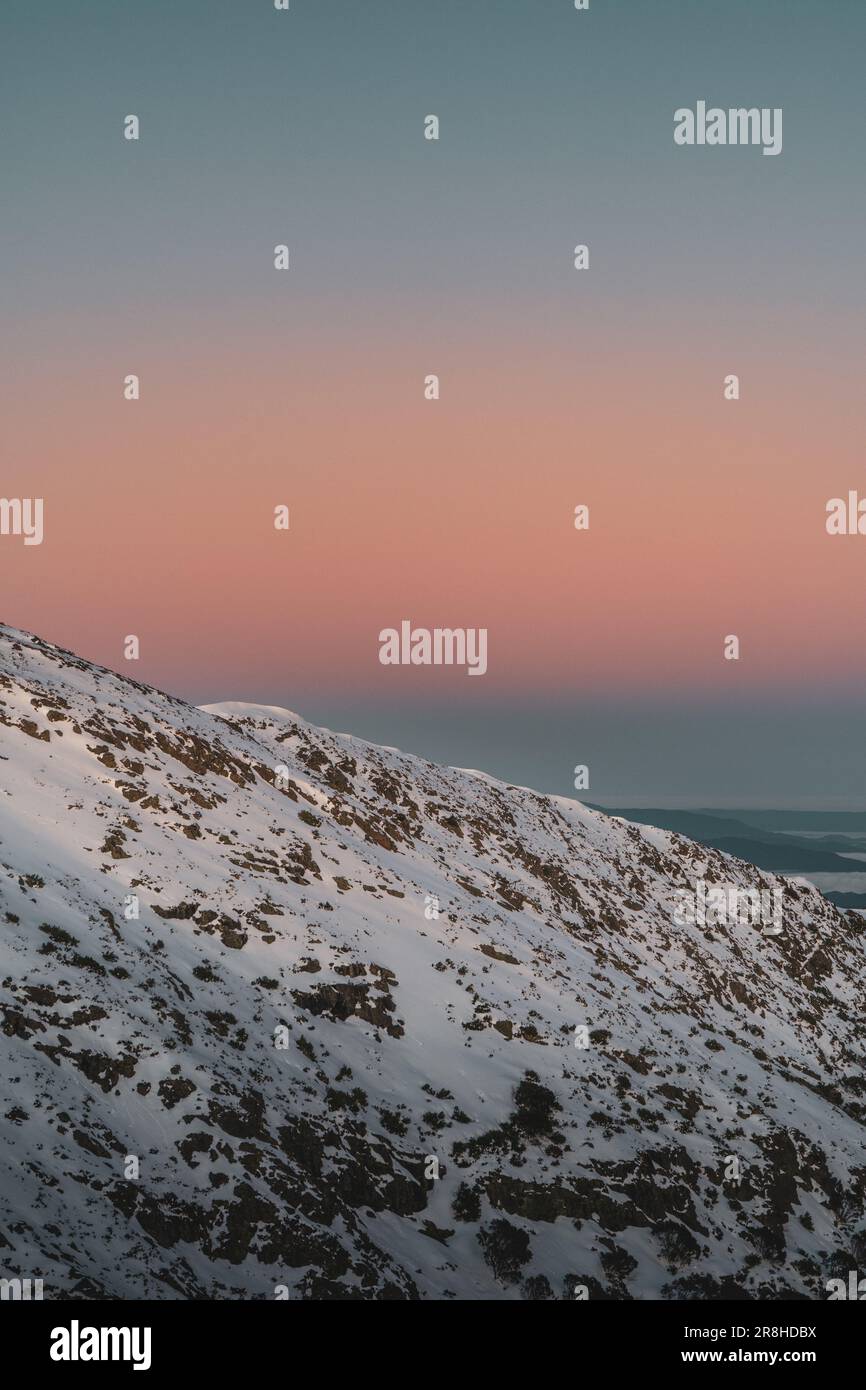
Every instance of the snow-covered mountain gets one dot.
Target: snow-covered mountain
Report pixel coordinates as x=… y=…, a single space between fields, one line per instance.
x=242 y=1055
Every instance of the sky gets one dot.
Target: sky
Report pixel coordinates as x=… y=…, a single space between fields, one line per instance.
x=558 y=387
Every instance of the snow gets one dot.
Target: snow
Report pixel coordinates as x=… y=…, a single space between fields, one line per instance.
x=150 y=1036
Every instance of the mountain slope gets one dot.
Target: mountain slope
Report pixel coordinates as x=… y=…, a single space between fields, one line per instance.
x=249 y=1087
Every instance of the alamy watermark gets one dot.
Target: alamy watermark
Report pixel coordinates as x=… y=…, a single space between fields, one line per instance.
x=855 y=1290
x=439 y=646
x=709 y=905
x=20 y=1290
x=737 y=126
x=22 y=516
x=77 y=1343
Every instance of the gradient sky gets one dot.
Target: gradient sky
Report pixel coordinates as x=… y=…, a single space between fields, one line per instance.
x=558 y=387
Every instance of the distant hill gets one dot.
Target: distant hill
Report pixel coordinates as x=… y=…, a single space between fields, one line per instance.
x=765 y=849
x=850 y=821
x=847 y=901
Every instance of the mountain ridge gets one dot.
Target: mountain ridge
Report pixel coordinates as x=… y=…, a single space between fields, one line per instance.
x=339 y=1036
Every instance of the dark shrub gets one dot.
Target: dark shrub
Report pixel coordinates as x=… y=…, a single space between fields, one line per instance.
x=505 y=1249
x=466 y=1204
x=534 y=1106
